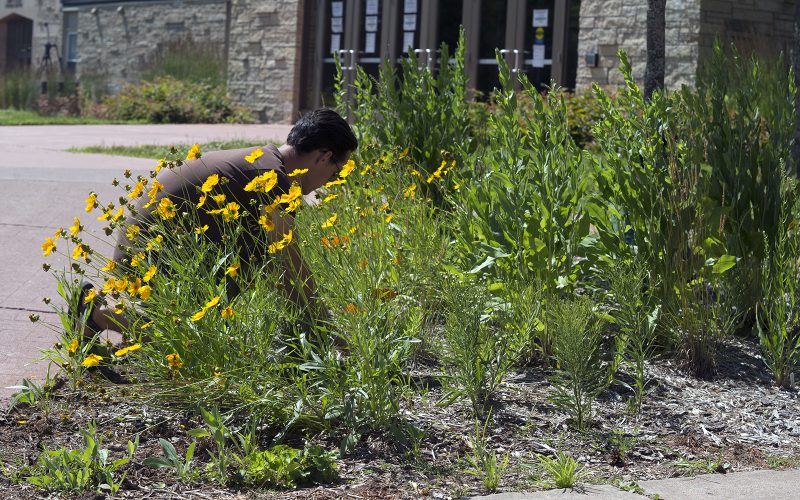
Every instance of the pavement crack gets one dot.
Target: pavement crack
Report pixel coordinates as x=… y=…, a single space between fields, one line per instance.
x=31 y=226
x=28 y=309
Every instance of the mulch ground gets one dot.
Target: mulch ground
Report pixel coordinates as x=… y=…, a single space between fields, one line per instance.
x=736 y=422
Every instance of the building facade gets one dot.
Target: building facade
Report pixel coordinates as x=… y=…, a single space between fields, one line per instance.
x=279 y=54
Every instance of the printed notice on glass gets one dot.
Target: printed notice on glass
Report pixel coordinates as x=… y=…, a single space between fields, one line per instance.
x=538 y=56
x=371 y=24
x=369 y=43
x=336 y=41
x=372 y=7
x=337 y=9
x=410 y=7
x=409 y=22
x=336 y=24
x=540 y=17
x=408 y=40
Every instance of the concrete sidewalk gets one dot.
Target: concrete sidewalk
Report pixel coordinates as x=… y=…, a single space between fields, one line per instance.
x=43 y=187
x=755 y=485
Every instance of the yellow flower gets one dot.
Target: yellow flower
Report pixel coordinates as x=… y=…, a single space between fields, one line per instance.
x=154 y=189
x=384 y=207
x=160 y=164
x=194 y=152
x=151 y=271
x=137 y=259
x=90 y=295
x=133 y=232
x=133 y=287
x=219 y=198
x=209 y=184
x=199 y=315
x=48 y=246
x=76 y=227
x=79 y=251
x=233 y=270
x=266 y=223
x=227 y=313
x=336 y=182
x=119 y=308
x=73 y=346
x=409 y=192
x=145 y=291
x=91 y=201
x=125 y=350
x=137 y=190
x=389 y=218
x=211 y=303
x=118 y=215
x=293 y=205
x=166 y=209
x=329 y=198
x=201 y=201
x=201 y=230
x=351 y=308
x=92 y=360
x=279 y=245
x=403 y=154
x=347 y=169
x=109 y=266
x=295 y=192
x=154 y=243
x=263 y=183
x=174 y=360
x=299 y=171
x=58 y=233
x=146 y=325
x=330 y=222
x=229 y=212
x=255 y=155
x=120 y=285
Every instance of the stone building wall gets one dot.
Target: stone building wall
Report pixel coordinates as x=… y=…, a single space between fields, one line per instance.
x=46 y=17
x=609 y=25
x=765 y=26
x=265 y=54
x=116 y=41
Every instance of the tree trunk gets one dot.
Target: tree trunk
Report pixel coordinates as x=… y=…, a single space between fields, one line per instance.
x=656 y=31
x=796 y=66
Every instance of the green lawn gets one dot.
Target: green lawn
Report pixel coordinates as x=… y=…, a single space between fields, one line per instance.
x=156 y=151
x=21 y=117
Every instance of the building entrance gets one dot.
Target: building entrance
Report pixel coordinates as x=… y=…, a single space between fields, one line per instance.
x=16 y=44
x=534 y=37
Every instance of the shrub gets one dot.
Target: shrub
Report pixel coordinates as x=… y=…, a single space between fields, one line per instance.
x=18 y=90
x=167 y=100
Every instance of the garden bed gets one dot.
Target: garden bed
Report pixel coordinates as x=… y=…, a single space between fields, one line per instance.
x=739 y=421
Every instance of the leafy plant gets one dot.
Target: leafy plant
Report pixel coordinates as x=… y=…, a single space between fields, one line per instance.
x=619 y=444
x=779 y=311
x=88 y=469
x=170 y=459
x=285 y=467
x=484 y=462
x=563 y=471
x=28 y=393
x=220 y=434
x=580 y=373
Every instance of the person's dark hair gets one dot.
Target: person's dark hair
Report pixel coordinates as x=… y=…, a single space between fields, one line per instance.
x=323 y=129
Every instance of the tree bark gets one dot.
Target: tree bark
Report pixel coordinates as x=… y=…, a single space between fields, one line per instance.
x=656 y=33
x=796 y=66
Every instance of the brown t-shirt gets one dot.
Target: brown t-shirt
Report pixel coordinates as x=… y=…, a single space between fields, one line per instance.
x=182 y=186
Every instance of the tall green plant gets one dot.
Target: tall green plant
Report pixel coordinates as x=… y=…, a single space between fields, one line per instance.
x=739 y=121
x=779 y=316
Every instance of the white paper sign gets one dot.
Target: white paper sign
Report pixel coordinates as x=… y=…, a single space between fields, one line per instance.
x=336 y=41
x=369 y=43
x=372 y=7
x=410 y=6
x=409 y=22
x=408 y=40
x=538 y=56
x=371 y=24
x=336 y=24
x=540 y=17
x=337 y=9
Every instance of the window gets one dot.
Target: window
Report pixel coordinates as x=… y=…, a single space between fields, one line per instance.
x=70 y=52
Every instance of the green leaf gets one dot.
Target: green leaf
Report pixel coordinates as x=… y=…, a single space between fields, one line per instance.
x=199 y=433
x=157 y=462
x=723 y=264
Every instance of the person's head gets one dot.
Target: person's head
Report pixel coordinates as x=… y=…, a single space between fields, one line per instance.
x=324 y=139
x=323 y=129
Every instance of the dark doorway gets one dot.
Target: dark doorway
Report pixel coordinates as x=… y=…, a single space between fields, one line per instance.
x=19 y=38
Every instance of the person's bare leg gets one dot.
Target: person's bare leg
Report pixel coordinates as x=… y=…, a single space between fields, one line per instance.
x=107 y=319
